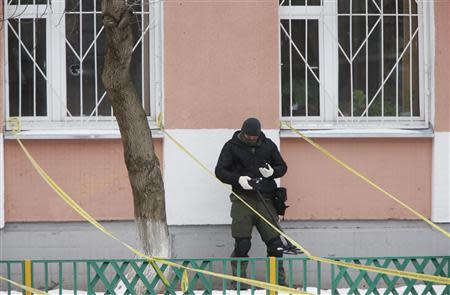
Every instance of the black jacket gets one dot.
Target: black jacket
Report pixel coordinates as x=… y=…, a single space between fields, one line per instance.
x=239 y=159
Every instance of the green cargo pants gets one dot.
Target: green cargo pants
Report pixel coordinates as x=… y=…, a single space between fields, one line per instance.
x=243 y=220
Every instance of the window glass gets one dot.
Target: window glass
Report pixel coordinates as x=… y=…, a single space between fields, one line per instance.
x=378 y=65
x=300 y=68
x=85 y=55
x=28 y=2
x=27 y=67
x=300 y=2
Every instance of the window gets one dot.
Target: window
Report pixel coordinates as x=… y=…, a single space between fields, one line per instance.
x=353 y=63
x=55 y=54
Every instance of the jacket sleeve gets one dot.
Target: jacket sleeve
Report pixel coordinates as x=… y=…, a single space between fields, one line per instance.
x=225 y=165
x=278 y=164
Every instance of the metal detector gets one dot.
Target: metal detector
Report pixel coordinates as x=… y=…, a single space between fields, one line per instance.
x=288 y=248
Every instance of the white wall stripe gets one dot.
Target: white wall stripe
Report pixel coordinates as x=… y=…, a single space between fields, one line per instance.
x=192 y=196
x=2 y=183
x=440 y=207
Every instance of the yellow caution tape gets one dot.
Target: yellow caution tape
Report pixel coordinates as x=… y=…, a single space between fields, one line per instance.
x=23 y=287
x=15 y=125
x=367 y=180
x=387 y=271
x=90 y=219
x=185 y=282
x=84 y=214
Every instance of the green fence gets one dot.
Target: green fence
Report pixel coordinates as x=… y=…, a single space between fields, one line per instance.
x=106 y=275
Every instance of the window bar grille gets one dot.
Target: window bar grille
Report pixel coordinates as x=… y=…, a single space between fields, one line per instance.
x=80 y=17
x=382 y=61
x=307 y=62
x=102 y=97
x=142 y=32
x=381 y=92
x=410 y=63
x=95 y=61
x=293 y=45
x=367 y=58
x=21 y=46
x=34 y=67
x=425 y=91
x=151 y=70
x=20 y=64
x=390 y=73
x=376 y=5
x=367 y=36
x=25 y=96
x=351 y=59
x=290 y=63
x=112 y=110
x=152 y=90
x=322 y=105
x=335 y=39
x=112 y=113
x=327 y=94
x=396 y=55
x=6 y=54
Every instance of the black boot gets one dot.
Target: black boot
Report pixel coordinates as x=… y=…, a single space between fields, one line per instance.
x=241 y=248
x=275 y=249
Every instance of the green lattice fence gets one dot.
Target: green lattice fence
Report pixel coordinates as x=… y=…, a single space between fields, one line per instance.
x=371 y=282
x=107 y=275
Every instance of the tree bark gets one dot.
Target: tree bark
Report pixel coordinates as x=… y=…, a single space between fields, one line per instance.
x=142 y=164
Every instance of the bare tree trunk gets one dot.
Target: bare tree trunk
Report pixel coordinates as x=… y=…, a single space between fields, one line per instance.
x=141 y=162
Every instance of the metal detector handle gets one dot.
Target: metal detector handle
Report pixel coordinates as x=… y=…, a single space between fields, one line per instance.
x=254 y=183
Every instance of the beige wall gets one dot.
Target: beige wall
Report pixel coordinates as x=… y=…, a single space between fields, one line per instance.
x=442 y=63
x=92 y=172
x=221 y=63
x=320 y=189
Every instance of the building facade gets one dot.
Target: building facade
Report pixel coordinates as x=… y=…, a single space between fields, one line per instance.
x=368 y=80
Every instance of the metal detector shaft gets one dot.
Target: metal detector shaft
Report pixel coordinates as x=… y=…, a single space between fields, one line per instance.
x=274 y=219
x=289 y=248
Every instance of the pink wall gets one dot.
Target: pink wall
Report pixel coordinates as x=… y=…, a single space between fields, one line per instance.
x=320 y=189
x=442 y=70
x=1 y=67
x=92 y=172
x=221 y=63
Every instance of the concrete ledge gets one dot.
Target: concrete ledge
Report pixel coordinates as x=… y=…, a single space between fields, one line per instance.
x=80 y=240
x=361 y=133
x=73 y=134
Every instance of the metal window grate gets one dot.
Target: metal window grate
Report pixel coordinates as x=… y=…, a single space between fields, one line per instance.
x=352 y=63
x=55 y=54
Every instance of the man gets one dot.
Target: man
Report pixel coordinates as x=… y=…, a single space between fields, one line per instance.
x=248 y=155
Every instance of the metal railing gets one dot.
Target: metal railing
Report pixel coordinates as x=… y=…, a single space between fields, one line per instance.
x=107 y=275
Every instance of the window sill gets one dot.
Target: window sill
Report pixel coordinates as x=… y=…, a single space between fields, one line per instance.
x=361 y=133
x=73 y=134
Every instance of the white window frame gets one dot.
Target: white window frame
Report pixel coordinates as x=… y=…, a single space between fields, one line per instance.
x=56 y=118
x=327 y=14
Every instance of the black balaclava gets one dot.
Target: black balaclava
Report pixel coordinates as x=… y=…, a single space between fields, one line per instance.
x=252 y=127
